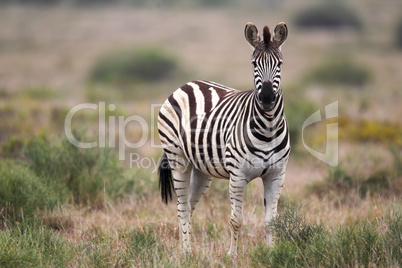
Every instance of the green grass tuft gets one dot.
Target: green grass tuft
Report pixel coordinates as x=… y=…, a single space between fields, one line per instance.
x=28 y=244
x=142 y=241
x=363 y=244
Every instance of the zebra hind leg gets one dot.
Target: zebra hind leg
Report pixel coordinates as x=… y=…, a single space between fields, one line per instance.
x=200 y=183
x=181 y=184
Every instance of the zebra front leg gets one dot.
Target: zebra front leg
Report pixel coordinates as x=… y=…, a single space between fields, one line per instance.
x=272 y=190
x=182 y=187
x=236 y=193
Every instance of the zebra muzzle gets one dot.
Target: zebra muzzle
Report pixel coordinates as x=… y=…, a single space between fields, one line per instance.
x=267 y=96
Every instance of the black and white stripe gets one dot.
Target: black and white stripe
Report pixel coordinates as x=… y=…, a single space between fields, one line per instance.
x=209 y=130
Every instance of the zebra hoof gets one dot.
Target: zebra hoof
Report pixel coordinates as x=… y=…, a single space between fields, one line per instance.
x=233 y=255
x=187 y=251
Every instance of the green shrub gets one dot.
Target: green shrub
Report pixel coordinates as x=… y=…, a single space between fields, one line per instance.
x=378 y=182
x=32 y=2
x=22 y=193
x=145 y=184
x=297 y=110
x=337 y=182
x=340 y=71
x=56 y=2
x=398 y=34
x=12 y=148
x=361 y=245
x=88 y=175
x=145 y=64
x=40 y=93
x=214 y=3
x=328 y=16
x=340 y=183
x=340 y=178
x=397 y=155
x=97 y=2
x=291 y=225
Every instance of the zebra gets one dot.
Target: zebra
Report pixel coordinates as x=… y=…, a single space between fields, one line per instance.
x=210 y=130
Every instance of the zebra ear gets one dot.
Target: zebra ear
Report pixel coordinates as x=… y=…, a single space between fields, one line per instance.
x=251 y=34
x=280 y=33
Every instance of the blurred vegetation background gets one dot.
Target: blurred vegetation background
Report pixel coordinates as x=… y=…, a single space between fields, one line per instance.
x=55 y=54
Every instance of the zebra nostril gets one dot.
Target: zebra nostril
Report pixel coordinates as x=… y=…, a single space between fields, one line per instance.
x=259 y=97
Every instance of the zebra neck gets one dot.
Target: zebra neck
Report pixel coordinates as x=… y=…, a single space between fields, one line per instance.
x=267 y=121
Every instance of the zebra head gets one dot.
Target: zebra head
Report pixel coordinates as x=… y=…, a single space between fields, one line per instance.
x=266 y=61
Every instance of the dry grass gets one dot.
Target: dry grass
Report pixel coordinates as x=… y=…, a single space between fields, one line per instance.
x=211 y=235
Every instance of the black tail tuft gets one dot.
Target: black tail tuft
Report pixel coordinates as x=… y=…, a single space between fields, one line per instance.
x=165 y=179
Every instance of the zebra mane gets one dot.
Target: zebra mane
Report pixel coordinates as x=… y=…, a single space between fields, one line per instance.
x=267 y=36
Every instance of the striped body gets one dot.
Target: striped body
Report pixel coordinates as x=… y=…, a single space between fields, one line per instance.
x=222 y=131
x=209 y=130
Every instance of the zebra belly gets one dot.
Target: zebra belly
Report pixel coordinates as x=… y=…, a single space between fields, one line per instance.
x=251 y=166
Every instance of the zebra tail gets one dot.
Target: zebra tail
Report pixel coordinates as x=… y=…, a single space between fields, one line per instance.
x=165 y=179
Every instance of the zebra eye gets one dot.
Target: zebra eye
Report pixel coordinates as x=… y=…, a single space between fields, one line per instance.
x=280 y=64
x=254 y=64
